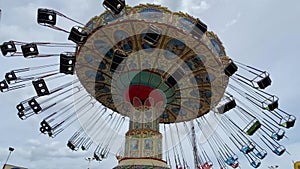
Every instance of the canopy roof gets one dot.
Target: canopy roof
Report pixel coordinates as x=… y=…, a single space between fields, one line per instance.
x=185 y=72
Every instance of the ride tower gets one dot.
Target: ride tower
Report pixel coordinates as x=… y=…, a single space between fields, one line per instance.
x=155 y=67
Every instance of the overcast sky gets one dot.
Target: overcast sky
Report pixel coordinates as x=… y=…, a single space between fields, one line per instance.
x=263 y=33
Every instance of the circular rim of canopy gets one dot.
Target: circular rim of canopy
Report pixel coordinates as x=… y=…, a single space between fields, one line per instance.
x=93 y=66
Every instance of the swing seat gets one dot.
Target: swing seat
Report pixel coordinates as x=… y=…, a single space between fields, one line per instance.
x=8 y=47
x=35 y=106
x=42 y=130
x=278 y=135
x=153 y=35
x=265 y=82
x=235 y=157
x=30 y=49
x=235 y=165
x=46 y=16
x=118 y=58
x=199 y=29
x=103 y=156
x=10 y=76
x=67 y=63
x=171 y=81
x=252 y=127
x=86 y=145
x=175 y=78
x=83 y=148
x=72 y=146
x=231 y=161
x=279 y=150
x=261 y=155
x=272 y=106
x=227 y=106
x=255 y=164
x=21 y=115
x=230 y=69
x=40 y=87
x=3 y=86
x=290 y=122
x=114 y=6
x=20 y=107
x=45 y=127
x=247 y=149
x=21 y=111
x=77 y=36
x=97 y=158
x=207 y=165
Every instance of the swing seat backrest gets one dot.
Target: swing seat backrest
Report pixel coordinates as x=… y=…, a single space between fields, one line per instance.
x=288 y=121
x=278 y=135
x=36 y=108
x=46 y=16
x=279 y=150
x=46 y=126
x=30 y=49
x=103 y=156
x=234 y=157
x=71 y=146
x=230 y=69
x=152 y=35
x=227 y=106
x=97 y=158
x=10 y=76
x=114 y=6
x=252 y=127
x=247 y=149
x=272 y=106
x=67 y=63
x=20 y=107
x=291 y=121
x=3 y=86
x=230 y=105
x=199 y=29
x=8 y=47
x=22 y=116
x=265 y=82
x=40 y=87
x=178 y=167
x=255 y=164
x=235 y=165
x=77 y=36
x=231 y=160
x=118 y=58
x=84 y=148
x=261 y=155
x=207 y=165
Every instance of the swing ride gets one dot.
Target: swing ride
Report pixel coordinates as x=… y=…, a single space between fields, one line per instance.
x=162 y=76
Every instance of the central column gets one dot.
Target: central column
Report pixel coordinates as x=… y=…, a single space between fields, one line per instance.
x=143 y=138
x=143 y=145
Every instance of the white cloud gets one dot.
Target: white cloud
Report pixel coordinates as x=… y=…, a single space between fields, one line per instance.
x=233 y=21
x=37 y=153
x=201 y=5
x=194 y=7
